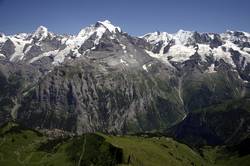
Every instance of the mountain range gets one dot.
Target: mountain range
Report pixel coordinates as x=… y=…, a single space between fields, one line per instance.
x=188 y=85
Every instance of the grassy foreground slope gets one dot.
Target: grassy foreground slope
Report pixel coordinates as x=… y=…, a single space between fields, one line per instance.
x=163 y=151
x=20 y=146
x=155 y=151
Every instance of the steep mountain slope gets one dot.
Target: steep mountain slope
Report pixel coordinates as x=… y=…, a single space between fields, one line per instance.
x=225 y=123
x=106 y=80
x=86 y=97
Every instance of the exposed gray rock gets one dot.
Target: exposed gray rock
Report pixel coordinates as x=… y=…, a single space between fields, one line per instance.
x=8 y=48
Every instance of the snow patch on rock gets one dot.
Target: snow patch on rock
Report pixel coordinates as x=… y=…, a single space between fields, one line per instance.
x=50 y=53
x=110 y=26
x=123 y=62
x=180 y=53
x=211 y=69
x=41 y=33
x=19 y=46
x=145 y=67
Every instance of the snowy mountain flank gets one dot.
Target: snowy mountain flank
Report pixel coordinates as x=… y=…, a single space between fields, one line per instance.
x=103 y=79
x=48 y=44
x=178 y=47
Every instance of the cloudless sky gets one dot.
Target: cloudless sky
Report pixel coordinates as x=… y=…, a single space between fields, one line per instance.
x=136 y=17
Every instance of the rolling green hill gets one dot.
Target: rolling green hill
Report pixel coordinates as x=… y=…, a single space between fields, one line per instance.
x=21 y=146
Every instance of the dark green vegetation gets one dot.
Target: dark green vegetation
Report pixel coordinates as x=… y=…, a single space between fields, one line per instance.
x=22 y=146
x=224 y=123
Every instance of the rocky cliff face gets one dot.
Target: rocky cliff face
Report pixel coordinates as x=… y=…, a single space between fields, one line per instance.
x=106 y=80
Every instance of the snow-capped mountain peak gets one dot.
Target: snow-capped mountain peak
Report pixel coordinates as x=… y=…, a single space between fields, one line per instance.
x=247 y=34
x=22 y=36
x=2 y=37
x=156 y=37
x=180 y=46
x=170 y=48
x=235 y=36
x=2 y=34
x=83 y=35
x=40 y=33
x=183 y=37
x=99 y=28
x=108 y=25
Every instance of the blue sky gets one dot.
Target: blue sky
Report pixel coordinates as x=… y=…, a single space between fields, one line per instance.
x=136 y=17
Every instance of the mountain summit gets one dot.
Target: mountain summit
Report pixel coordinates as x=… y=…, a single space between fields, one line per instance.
x=41 y=33
x=107 y=24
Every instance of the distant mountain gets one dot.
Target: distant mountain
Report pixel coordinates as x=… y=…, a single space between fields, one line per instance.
x=105 y=80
